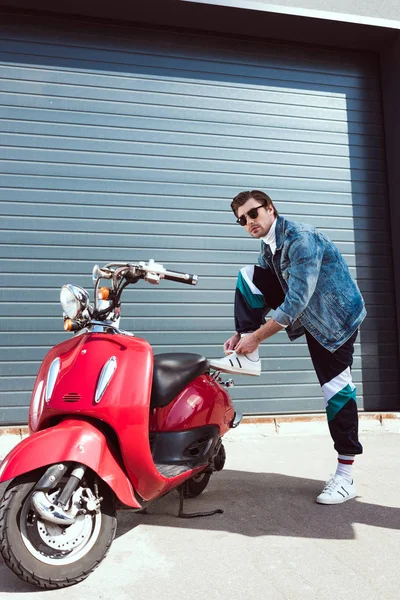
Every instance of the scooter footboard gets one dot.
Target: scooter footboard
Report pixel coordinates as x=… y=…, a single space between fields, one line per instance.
x=71 y=440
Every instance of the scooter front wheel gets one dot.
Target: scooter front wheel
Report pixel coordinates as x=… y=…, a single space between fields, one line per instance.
x=48 y=555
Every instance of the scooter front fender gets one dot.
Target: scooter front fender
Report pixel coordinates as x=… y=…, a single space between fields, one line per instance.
x=72 y=440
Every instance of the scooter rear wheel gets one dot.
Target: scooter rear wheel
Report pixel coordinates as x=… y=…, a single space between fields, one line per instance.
x=48 y=555
x=196 y=485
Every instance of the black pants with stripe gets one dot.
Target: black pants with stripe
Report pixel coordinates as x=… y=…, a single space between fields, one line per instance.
x=333 y=369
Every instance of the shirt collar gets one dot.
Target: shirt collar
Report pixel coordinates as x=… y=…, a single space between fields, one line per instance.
x=270 y=238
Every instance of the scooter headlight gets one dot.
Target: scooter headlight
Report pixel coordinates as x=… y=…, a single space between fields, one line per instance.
x=74 y=300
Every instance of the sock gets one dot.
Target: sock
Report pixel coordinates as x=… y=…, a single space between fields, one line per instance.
x=254 y=356
x=344 y=466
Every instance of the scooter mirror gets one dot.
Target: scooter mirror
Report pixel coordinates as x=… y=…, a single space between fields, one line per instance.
x=96 y=273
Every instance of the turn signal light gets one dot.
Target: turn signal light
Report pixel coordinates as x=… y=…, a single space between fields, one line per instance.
x=67 y=325
x=104 y=293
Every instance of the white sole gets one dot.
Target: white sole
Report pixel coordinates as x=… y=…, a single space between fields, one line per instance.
x=235 y=371
x=326 y=502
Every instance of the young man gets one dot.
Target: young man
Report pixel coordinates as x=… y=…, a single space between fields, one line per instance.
x=304 y=278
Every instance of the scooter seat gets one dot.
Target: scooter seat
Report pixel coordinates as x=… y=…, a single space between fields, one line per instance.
x=172 y=372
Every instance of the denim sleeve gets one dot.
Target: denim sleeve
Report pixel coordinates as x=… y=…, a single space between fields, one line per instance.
x=305 y=254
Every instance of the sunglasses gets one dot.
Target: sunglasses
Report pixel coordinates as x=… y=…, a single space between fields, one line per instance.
x=252 y=213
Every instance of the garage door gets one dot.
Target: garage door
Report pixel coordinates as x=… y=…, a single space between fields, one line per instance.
x=123 y=144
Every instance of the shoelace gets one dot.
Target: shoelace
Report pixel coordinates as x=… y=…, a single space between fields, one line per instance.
x=330 y=485
x=333 y=484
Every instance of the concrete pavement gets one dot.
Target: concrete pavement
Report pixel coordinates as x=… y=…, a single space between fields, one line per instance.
x=272 y=542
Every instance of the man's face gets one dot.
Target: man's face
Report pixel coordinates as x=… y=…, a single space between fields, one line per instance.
x=258 y=226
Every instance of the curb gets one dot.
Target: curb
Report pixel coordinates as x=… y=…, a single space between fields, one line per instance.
x=10 y=437
x=316 y=424
x=265 y=426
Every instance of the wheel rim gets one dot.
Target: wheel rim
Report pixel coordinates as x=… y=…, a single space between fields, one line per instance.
x=55 y=544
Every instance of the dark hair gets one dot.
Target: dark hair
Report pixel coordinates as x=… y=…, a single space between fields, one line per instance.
x=261 y=197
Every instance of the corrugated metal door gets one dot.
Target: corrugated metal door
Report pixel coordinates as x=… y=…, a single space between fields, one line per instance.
x=125 y=144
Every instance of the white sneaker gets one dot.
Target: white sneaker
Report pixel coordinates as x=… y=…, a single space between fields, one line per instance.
x=236 y=363
x=337 y=490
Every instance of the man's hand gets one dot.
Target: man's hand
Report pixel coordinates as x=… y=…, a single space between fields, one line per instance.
x=231 y=344
x=247 y=344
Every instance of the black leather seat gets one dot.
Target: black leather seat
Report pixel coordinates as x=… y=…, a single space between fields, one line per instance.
x=172 y=372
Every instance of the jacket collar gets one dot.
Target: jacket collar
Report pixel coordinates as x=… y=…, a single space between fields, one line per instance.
x=279 y=232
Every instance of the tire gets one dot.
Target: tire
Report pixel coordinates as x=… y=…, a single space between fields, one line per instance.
x=47 y=555
x=196 y=485
x=219 y=460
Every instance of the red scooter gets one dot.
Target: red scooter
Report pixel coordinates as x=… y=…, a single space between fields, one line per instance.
x=111 y=426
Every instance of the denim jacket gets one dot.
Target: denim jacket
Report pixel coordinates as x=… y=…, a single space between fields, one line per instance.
x=320 y=293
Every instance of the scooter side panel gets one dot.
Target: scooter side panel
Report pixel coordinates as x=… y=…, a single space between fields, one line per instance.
x=202 y=402
x=75 y=441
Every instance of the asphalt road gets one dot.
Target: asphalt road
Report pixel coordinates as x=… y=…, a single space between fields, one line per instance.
x=272 y=541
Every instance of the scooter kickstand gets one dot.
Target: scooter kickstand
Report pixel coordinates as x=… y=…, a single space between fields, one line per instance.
x=184 y=515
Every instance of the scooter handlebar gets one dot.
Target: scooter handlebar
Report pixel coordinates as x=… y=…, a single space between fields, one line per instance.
x=150 y=271
x=181 y=277
x=153 y=272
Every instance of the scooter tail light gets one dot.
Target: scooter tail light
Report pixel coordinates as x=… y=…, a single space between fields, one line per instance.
x=106 y=374
x=52 y=377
